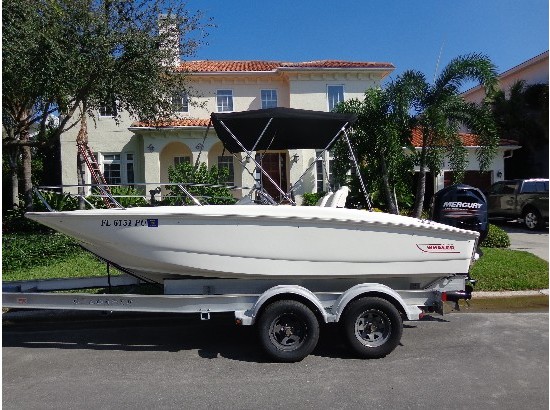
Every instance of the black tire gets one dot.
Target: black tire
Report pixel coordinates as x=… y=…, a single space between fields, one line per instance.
x=532 y=219
x=372 y=326
x=288 y=330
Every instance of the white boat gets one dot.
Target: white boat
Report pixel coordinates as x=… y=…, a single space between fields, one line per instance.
x=276 y=242
x=251 y=241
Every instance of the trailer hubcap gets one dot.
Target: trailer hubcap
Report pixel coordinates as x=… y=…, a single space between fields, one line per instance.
x=287 y=332
x=373 y=328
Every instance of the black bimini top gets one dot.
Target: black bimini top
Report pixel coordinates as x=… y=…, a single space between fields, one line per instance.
x=289 y=129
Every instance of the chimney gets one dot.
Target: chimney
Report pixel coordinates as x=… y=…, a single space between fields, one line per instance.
x=170 y=39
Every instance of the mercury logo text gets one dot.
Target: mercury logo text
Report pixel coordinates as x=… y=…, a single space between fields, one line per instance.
x=473 y=205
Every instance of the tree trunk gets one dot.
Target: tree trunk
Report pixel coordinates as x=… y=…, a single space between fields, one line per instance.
x=81 y=139
x=392 y=207
x=26 y=160
x=420 y=186
x=12 y=161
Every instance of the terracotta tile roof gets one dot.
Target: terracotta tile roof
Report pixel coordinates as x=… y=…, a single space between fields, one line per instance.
x=469 y=140
x=178 y=122
x=205 y=66
x=226 y=66
x=337 y=64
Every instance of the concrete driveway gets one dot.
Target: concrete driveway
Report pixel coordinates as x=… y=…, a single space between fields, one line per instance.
x=535 y=242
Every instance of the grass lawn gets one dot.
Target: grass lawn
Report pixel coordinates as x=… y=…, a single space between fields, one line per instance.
x=46 y=256
x=506 y=269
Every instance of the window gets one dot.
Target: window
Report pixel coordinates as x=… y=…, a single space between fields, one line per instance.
x=532 y=187
x=226 y=162
x=269 y=98
x=335 y=95
x=180 y=102
x=324 y=177
x=181 y=160
x=224 y=100
x=118 y=168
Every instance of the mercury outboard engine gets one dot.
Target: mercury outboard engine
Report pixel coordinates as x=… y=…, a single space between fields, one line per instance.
x=462 y=206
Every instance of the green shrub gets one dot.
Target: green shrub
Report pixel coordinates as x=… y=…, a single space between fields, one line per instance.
x=212 y=192
x=14 y=220
x=496 y=238
x=126 y=196
x=57 y=201
x=311 y=198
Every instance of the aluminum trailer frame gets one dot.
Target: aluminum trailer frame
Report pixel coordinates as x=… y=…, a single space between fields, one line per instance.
x=286 y=313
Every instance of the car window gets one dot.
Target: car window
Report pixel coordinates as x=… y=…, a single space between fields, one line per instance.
x=529 y=187
x=496 y=188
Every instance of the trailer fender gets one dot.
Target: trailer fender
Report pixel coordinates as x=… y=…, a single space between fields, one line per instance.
x=295 y=292
x=366 y=289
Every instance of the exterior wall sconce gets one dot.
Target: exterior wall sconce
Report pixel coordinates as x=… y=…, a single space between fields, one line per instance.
x=499 y=174
x=295 y=158
x=150 y=147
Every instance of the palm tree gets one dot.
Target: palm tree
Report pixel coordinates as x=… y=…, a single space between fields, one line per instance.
x=379 y=135
x=439 y=111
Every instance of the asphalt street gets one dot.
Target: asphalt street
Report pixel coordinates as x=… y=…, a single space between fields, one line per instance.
x=461 y=360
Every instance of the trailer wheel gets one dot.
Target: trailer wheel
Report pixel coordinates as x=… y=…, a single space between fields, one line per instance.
x=288 y=330
x=372 y=326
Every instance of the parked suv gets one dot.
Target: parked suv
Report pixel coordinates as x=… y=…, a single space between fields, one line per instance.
x=526 y=199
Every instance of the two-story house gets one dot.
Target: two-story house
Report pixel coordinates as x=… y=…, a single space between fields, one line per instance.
x=134 y=152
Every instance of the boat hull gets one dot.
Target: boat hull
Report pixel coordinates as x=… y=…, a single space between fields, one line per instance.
x=267 y=241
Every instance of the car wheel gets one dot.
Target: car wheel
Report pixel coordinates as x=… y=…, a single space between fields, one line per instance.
x=532 y=219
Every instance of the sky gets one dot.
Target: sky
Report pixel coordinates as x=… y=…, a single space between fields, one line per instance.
x=422 y=35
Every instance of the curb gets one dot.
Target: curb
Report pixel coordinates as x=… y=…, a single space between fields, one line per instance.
x=509 y=294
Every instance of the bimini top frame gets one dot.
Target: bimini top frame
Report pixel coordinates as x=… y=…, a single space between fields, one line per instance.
x=282 y=129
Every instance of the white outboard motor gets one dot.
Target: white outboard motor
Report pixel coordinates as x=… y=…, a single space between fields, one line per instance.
x=462 y=206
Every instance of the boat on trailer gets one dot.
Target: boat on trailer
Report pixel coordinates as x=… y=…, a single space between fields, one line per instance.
x=273 y=241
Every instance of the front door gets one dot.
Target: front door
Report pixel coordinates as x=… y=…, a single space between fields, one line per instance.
x=274 y=164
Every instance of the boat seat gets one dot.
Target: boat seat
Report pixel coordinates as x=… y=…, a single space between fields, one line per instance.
x=324 y=199
x=338 y=200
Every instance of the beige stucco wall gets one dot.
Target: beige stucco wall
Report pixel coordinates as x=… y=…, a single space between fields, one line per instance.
x=105 y=136
x=309 y=90
x=246 y=92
